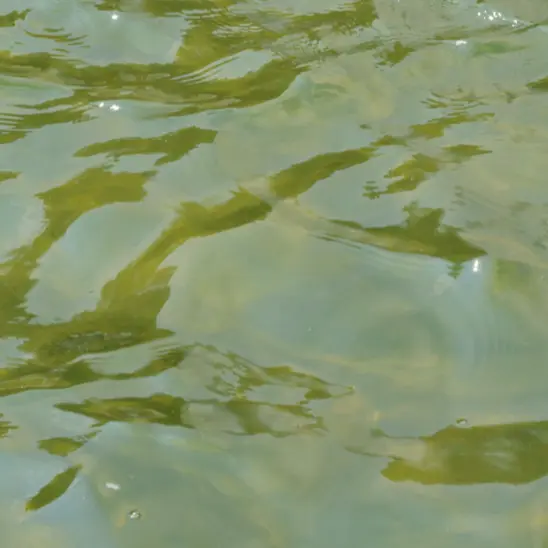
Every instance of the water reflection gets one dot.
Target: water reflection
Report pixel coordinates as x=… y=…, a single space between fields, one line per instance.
x=503 y=453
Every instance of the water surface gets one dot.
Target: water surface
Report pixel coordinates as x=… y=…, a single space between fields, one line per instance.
x=273 y=273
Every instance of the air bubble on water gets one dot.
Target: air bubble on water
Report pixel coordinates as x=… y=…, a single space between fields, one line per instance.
x=114 y=107
x=112 y=485
x=134 y=514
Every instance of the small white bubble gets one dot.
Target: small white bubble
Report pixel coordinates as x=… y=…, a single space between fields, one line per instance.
x=461 y=43
x=114 y=108
x=476 y=266
x=114 y=16
x=134 y=514
x=101 y=104
x=113 y=486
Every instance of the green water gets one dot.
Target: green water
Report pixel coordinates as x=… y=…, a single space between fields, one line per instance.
x=273 y=274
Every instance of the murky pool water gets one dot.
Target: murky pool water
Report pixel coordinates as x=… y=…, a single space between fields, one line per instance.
x=273 y=274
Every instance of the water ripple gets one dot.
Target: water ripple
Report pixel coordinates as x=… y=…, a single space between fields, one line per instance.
x=240 y=237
